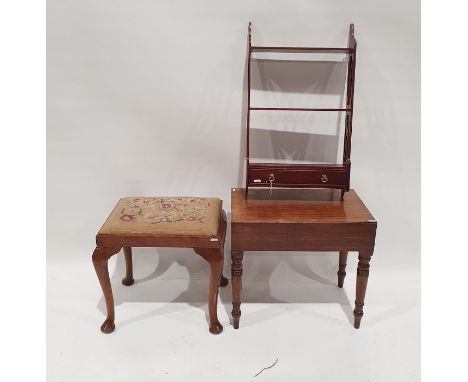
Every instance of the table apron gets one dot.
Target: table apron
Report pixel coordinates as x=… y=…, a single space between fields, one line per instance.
x=303 y=236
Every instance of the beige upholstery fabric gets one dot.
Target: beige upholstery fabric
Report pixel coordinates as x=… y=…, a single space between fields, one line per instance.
x=164 y=216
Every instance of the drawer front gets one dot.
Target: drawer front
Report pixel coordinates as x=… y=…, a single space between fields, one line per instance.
x=318 y=177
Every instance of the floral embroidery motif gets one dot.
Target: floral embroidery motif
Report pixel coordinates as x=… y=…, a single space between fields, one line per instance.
x=165 y=210
x=127 y=218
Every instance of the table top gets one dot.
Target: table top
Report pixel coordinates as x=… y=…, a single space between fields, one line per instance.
x=297 y=206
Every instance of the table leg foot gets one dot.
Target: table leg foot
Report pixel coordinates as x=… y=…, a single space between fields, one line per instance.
x=358 y=313
x=236 y=314
x=128 y=282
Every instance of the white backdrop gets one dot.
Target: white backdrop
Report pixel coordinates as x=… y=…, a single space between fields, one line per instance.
x=146 y=98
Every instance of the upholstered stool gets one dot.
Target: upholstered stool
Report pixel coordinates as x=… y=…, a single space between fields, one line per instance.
x=187 y=222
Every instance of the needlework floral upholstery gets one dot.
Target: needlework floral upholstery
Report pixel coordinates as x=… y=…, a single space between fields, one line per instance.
x=164 y=216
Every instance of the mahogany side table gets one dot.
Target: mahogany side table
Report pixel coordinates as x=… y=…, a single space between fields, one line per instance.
x=301 y=220
x=184 y=222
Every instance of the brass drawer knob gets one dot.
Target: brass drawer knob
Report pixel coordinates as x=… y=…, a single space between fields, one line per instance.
x=324 y=178
x=271 y=177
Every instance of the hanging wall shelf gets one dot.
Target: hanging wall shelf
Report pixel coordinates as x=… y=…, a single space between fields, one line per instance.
x=285 y=175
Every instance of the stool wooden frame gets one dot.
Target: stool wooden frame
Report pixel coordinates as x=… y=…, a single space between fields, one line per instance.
x=210 y=249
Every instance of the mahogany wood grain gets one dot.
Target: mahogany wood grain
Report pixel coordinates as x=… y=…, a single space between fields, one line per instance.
x=301 y=220
x=298 y=206
x=210 y=250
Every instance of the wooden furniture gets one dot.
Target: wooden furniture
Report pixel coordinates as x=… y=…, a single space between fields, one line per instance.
x=189 y=222
x=335 y=176
x=301 y=220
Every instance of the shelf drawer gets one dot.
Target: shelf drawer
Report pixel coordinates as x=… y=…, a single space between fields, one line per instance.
x=313 y=176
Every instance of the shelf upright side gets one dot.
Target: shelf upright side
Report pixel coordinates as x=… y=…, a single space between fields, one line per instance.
x=352 y=45
x=247 y=156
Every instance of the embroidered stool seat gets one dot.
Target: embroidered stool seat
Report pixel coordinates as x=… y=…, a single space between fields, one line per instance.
x=164 y=216
x=186 y=222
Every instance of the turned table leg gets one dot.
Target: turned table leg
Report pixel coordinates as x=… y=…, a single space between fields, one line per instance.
x=100 y=260
x=361 y=286
x=236 y=281
x=342 y=268
x=128 y=279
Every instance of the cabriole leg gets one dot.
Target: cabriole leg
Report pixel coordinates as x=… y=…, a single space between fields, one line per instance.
x=216 y=265
x=215 y=259
x=100 y=260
